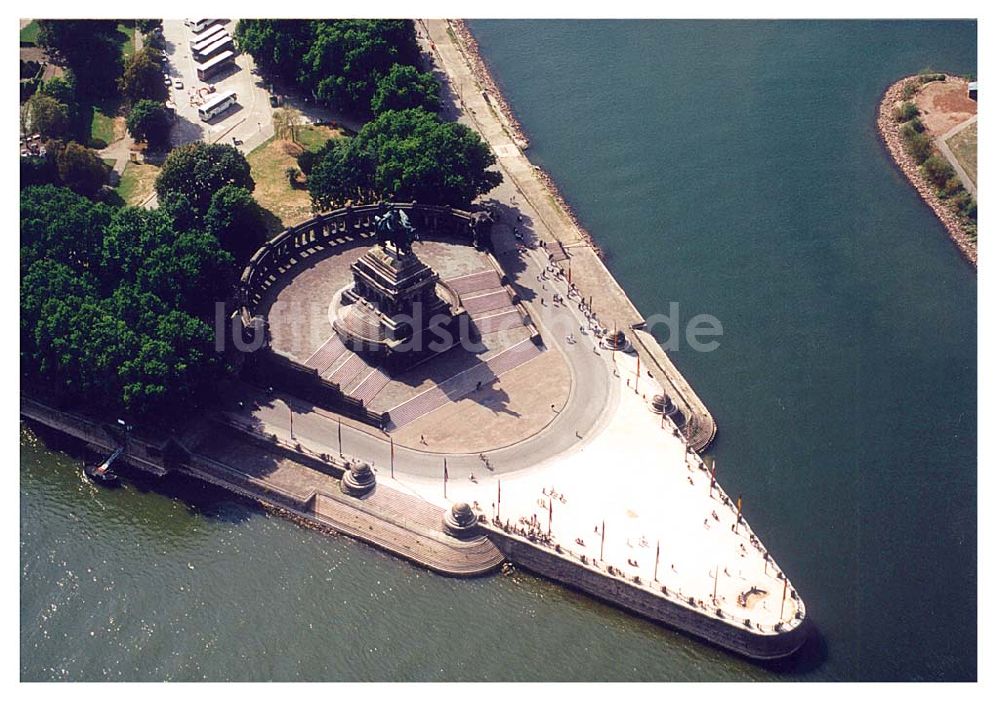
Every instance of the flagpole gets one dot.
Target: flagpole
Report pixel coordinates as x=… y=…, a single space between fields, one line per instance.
x=715 y=589
x=739 y=510
x=711 y=483
x=340 y=439
x=446 y=477
x=498 y=499
x=392 y=458
x=636 y=372
x=656 y=567
x=784 y=591
x=550 y=515
x=602 y=541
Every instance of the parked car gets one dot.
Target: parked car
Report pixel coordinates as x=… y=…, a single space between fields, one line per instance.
x=179 y=84
x=166 y=79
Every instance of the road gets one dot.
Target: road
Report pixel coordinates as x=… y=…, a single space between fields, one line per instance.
x=593 y=395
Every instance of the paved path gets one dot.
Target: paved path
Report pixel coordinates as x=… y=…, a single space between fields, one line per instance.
x=942 y=144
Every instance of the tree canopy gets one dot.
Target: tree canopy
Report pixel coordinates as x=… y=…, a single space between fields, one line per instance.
x=149 y=121
x=80 y=169
x=46 y=115
x=340 y=62
x=198 y=170
x=406 y=155
x=91 y=49
x=236 y=220
x=116 y=305
x=404 y=87
x=142 y=77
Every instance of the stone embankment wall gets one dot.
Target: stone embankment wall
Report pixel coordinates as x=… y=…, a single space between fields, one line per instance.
x=888 y=128
x=647 y=603
x=386 y=519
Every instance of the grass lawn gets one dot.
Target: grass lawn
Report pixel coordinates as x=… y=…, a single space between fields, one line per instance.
x=128 y=39
x=102 y=127
x=29 y=35
x=137 y=182
x=963 y=145
x=268 y=163
x=312 y=137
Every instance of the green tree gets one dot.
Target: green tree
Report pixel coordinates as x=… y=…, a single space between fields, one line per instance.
x=277 y=46
x=192 y=274
x=62 y=226
x=80 y=169
x=409 y=155
x=404 y=87
x=236 y=220
x=148 y=26
x=347 y=57
x=149 y=121
x=174 y=363
x=61 y=88
x=91 y=49
x=337 y=176
x=142 y=78
x=46 y=115
x=198 y=170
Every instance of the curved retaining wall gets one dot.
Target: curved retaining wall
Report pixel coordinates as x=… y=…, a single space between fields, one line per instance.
x=647 y=603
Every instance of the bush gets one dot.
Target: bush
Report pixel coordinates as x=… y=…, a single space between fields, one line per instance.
x=938 y=170
x=909 y=89
x=306 y=160
x=952 y=187
x=965 y=205
x=918 y=144
x=927 y=77
x=906 y=112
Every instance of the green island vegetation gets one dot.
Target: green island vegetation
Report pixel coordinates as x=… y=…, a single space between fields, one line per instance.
x=933 y=166
x=118 y=303
x=368 y=68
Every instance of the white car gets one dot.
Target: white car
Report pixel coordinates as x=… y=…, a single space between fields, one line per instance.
x=167 y=80
x=179 y=84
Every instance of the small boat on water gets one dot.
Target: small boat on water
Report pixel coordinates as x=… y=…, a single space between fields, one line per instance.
x=103 y=473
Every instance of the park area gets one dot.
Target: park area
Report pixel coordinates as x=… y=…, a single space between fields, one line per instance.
x=269 y=164
x=136 y=184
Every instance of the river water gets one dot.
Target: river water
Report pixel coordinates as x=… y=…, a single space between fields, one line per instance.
x=732 y=168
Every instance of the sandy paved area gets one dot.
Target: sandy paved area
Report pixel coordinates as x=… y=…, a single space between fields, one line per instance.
x=517 y=405
x=944 y=105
